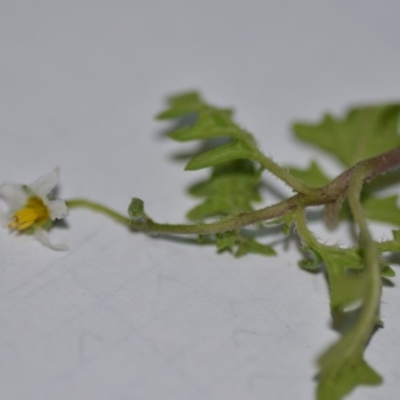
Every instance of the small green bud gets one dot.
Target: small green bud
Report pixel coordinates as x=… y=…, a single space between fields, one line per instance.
x=136 y=208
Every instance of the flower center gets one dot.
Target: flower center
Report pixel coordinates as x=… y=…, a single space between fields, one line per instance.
x=34 y=212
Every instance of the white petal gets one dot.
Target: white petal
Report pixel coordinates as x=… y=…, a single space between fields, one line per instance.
x=58 y=209
x=13 y=195
x=43 y=238
x=45 y=184
x=5 y=219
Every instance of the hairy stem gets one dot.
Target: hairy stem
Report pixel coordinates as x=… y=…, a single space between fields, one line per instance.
x=364 y=170
x=284 y=175
x=99 y=208
x=266 y=162
x=224 y=225
x=345 y=353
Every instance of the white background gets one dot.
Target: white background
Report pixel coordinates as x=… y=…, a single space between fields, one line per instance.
x=124 y=316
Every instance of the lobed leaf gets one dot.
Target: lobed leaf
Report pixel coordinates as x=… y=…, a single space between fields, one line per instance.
x=364 y=132
x=231 y=189
x=233 y=185
x=344 y=272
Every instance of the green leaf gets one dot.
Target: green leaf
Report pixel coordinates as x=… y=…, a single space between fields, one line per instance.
x=181 y=105
x=250 y=245
x=210 y=123
x=388 y=272
x=231 y=189
x=234 y=183
x=234 y=150
x=313 y=176
x=382 y=209
x=344 y=271
x=188 y=103
x=353 y=373
x=346 y=288
x=342 y=367
x=364 y=132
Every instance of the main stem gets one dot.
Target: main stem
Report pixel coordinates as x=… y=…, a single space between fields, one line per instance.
x=364 y=170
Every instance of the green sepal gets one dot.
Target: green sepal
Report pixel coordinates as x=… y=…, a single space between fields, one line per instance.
x=47 y=224
x=31 y=230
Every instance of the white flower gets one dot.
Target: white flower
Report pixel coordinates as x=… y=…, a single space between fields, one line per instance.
x=29 y=207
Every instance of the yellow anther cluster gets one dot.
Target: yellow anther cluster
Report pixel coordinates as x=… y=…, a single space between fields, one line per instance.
x=35 y=212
